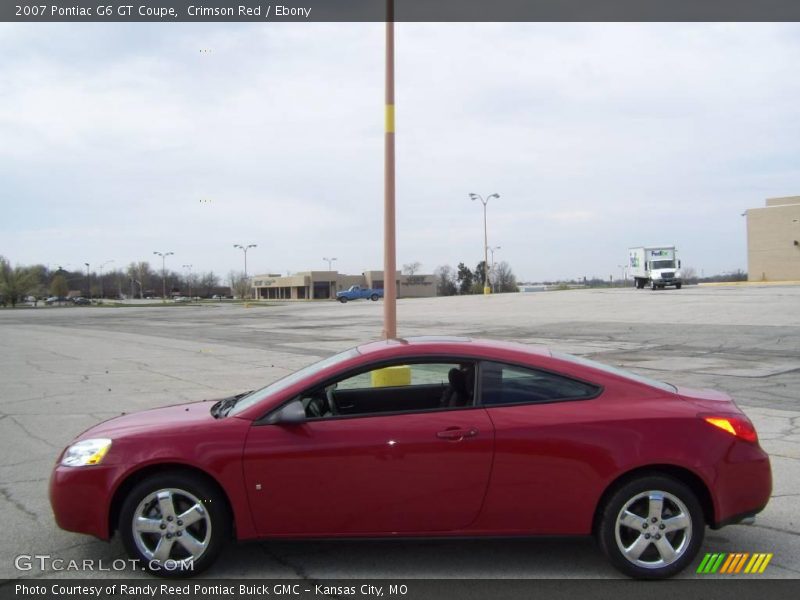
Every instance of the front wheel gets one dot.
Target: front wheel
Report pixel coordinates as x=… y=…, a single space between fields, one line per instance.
x=678 y=286
x=374 y=297
x=651 y=527
x=174 y=524
x=343 y=300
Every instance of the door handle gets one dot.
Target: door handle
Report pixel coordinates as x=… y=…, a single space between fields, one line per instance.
x=457 y=434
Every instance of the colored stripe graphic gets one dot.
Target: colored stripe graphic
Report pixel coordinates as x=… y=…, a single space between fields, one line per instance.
x=732 y=558
x=731 y=564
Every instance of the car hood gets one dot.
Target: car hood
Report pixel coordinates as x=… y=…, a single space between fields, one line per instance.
x=153 y=420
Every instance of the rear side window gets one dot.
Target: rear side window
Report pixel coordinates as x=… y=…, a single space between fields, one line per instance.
x=503 y=384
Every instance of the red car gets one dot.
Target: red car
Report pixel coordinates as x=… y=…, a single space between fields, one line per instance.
x=423 y=437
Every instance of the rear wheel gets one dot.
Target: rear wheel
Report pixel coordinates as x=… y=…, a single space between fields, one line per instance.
x=174 y=524
x=678 y=286
x=651 y=527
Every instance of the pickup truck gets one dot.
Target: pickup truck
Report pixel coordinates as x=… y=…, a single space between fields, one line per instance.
x=355 y=292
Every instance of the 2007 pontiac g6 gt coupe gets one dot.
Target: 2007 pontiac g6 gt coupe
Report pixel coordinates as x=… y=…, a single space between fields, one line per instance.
x=423 y=437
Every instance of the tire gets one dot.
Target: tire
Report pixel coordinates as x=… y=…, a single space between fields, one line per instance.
x=374 y=297
x=678 y=286
x=343 y=300
x=184 y=495
x=680 y=527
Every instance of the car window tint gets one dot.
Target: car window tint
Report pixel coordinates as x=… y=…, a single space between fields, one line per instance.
x=508 y=384
x=397 y=388
x=399 y=376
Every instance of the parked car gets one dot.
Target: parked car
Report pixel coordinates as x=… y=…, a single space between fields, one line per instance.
x=54 y=299
x=356 y=292
x=181 y=299
x=81 y=301
x=423 y=437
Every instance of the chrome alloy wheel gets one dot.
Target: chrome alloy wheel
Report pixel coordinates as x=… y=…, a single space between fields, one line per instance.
x=171 y=524
x=653 y=529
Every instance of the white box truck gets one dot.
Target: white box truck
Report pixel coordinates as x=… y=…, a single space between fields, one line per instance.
x=655 y=266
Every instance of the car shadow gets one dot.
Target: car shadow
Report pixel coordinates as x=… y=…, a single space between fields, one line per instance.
x=470 y=558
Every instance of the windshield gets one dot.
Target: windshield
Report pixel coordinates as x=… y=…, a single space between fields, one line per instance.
x=288 y=381
x=667 y=387
x=662 y=264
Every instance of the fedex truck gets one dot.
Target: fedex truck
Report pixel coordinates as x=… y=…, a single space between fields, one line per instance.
x=655 y=266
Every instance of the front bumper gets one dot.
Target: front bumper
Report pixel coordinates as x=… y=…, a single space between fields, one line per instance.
x=81 y=497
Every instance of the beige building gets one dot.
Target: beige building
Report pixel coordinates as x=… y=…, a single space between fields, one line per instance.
x=322 y=285
x=773 y=240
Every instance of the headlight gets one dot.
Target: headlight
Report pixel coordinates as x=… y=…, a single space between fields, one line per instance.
x=86 y=452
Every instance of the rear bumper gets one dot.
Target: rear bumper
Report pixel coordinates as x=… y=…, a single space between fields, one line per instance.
x=743 y=486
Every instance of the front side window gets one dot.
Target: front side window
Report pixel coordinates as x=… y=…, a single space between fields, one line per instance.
x=503 y=384
x=394 y=388
x=254 y=397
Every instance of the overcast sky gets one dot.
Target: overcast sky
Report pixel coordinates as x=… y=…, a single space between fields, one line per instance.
x=597 y=137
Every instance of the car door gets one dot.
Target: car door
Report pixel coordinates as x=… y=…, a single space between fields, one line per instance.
x=417 y=471
x=551 y=458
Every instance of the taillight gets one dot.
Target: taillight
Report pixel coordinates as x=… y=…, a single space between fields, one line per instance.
x=737 y=425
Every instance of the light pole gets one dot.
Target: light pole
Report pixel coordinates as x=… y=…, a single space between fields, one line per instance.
x=624 y=269
x=245 y=249
x=189 y=277
x=330 y=275
x=492 y=249
x=164 y=256
x=486 y=288
x=389 y=188
x=88 y=282
x=101 y=277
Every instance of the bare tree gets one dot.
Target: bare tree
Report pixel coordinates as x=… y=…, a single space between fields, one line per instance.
x=410 y=270
x=240 y=284
x=208 y=282
x=504 y=279
x=445 y=281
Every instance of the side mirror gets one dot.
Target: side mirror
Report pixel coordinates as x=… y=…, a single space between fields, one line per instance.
x=291 y=414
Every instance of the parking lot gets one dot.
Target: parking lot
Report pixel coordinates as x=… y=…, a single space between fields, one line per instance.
x=65 y=369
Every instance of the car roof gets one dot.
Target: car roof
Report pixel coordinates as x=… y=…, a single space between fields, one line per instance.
x=449 y=345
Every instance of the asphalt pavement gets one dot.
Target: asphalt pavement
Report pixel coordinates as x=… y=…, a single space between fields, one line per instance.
x=64 y=369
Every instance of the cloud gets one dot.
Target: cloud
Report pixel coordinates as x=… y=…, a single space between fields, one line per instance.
x=593 y=134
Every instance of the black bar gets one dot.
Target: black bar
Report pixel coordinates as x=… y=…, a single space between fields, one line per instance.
x=406 y=10
x=709 y=588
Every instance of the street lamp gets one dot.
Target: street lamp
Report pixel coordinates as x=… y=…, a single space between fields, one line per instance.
x=624 y=269
x=101 y=277
x=88 y=282
x=163 y=256
x=189 y=277
x=330 y=274
x=486 y=288
x=245 y=249
x=492 y=249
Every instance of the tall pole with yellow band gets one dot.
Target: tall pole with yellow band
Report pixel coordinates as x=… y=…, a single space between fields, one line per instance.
x=389 y=239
